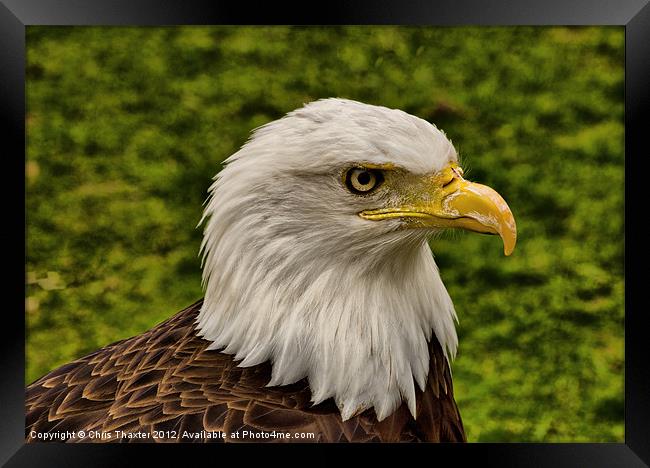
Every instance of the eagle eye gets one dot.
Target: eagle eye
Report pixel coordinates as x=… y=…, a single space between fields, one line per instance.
x=362 y=181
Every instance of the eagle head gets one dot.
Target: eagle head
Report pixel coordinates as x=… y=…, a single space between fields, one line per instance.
x=315 y=251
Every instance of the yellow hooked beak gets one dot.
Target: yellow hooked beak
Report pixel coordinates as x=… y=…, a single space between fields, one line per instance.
x=446 y=200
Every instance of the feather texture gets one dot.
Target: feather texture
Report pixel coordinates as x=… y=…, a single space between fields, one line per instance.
x=167 y=382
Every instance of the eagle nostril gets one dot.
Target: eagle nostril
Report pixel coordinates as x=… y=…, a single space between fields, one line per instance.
x=455 y=175
x=450 y=181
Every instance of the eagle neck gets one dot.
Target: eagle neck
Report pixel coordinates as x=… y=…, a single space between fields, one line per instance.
x=356 y=327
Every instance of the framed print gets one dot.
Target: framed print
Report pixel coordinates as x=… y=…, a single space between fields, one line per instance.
x=376 y=223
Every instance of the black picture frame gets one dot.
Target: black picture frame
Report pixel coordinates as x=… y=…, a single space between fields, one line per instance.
x=634 y=15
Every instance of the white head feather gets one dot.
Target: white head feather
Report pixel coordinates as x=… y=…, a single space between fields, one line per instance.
x=294 y=276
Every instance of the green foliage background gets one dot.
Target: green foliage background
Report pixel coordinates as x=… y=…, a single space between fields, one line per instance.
x=126 y=127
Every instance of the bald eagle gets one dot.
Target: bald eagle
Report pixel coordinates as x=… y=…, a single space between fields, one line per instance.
x=324 y=316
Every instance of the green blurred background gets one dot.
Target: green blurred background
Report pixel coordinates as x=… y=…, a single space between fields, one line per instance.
x=127 y=126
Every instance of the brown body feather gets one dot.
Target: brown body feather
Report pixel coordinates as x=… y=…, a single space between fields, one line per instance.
x=164 y=386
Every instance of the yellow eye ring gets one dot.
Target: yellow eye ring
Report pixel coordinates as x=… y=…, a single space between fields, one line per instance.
x=362 y=181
